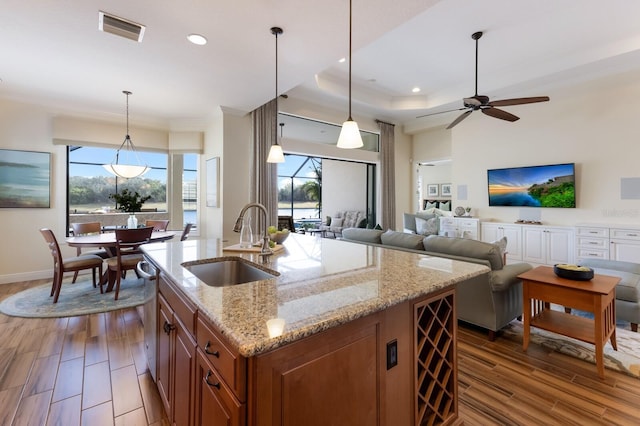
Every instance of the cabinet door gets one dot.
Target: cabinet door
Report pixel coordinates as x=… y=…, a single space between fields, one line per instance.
x=184 y=365
x=214 y=403
x=448 y=227
x=489 y=232
x=533 y=244
x=163 y=381
x=514 y=243
x=625 y=250
x=559 y=246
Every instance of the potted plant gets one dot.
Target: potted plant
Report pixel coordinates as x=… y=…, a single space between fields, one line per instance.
x=129 y=202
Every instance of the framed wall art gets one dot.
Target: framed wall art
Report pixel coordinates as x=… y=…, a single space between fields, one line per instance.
x=25 y=179
x=445 y=190
x=213 y=181
x=432 y=190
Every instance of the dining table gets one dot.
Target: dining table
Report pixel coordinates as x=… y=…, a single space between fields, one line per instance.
x=107 y=240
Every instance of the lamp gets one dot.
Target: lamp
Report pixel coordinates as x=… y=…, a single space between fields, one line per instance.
x=350 y=134
x=275 y=152
x=126 y=170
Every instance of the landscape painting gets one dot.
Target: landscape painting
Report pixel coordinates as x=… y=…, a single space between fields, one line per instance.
x=24 y=179
x=535 y=186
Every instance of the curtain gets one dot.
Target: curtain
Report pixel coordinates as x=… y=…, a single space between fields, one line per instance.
x=264 y=179
x=388 y=173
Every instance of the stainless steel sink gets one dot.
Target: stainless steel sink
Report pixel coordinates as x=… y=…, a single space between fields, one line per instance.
x=226 y=272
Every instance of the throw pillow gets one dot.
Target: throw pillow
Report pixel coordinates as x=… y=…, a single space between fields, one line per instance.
x=377 y=226
x=502 y=245
x=426 y=226
x=430 y=204
x=445 y=206
x=337 y=222
x=328 y=221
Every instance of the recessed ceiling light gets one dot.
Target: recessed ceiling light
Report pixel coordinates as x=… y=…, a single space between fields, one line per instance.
x=341 y=60
x=415 y=89
x=197 y=39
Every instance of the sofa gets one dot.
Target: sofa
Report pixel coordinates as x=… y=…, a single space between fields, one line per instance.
x=490 y=300
x=627 y=290
x=342 y=220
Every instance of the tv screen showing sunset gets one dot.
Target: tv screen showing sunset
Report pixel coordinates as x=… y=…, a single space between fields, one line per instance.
x=535 y=186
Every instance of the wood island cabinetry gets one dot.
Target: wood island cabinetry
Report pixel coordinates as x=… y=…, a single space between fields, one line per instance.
x=176 y=354
x=393 y=367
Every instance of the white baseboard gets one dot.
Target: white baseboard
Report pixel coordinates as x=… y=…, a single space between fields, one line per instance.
x=26 y=276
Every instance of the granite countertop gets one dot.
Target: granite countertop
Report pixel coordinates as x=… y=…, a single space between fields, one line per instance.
x=322 y=283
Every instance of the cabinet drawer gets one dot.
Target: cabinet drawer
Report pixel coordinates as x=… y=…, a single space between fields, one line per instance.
x=585 y=253
x=228 y=363
x=596 y=243
x=593 y=232
x=468 y=223
x=182 y=309
x=627 y=234
x=447 y=221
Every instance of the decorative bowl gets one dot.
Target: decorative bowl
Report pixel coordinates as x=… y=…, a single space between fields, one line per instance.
x=279 y=237
x=573 y=272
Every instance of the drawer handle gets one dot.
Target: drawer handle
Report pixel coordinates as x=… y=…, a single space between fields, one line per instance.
x=632 y=235
x=168 y=327
x=593 y=232
x=206 y=379
x=593 y=243
x=214 y=353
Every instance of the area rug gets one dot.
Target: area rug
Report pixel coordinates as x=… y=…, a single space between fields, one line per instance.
x=79 y=298
x=626 y=359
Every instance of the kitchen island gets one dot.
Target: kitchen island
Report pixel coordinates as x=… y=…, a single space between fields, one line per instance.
x=369 y=336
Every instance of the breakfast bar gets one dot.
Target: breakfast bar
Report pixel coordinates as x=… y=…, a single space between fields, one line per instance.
x=366 y=330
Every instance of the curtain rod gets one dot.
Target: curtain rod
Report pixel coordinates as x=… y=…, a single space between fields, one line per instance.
x=384 y=122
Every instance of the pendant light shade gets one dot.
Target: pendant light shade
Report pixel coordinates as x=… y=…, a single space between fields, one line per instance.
x=275 y=152
x=350 y=133
x=135 y=167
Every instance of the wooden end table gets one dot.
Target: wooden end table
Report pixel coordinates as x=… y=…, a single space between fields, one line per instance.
x=541 y=287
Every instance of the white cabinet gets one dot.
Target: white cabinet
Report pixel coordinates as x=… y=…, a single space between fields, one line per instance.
x=547 y=245
x=491 y=231
x=608 y=242
x=461 y=227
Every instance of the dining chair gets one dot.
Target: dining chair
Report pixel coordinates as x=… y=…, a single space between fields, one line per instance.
x=158 y=225
x=60 y=265
x=127 y=254
x=88 y=228
x=185 y=232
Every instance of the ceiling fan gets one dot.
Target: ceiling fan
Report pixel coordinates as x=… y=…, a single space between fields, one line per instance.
x=482 y=102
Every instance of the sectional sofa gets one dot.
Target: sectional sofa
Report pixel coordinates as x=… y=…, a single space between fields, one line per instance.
x=490 y=301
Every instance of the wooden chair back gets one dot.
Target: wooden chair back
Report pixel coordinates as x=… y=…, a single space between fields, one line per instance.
x=86 y=228
x=128 y=239
x=54 y=248
x=158 y=225
x=185 y=232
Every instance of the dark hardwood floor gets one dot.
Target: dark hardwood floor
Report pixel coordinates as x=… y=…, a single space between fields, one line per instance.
x=91 y=370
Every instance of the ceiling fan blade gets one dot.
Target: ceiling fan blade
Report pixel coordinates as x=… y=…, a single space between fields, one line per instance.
x=501 y=114
x=519 y=101
x=441 y=112
x=460 y=118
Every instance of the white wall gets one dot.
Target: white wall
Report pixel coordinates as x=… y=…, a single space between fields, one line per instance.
x=340 y=193
x=593 y=124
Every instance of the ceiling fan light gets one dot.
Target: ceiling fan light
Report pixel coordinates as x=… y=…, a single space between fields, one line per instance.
x=350 y=137
x=275 y=154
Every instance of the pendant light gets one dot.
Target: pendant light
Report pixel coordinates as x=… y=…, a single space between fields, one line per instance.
x=275 y=153
x=126 y=171
x=350 y=133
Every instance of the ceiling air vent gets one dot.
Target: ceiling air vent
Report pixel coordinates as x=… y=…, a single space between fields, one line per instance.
x=120 y=27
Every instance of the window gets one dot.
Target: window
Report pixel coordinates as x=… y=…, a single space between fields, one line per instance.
x=89 y=184
x=299 y=187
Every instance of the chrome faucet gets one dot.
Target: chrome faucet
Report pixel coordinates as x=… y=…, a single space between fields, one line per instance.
x=266 y=250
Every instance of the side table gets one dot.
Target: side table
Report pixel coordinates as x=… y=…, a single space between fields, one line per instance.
x=541 y=287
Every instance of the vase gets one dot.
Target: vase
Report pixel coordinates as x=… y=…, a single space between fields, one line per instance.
x=246 y=234
x=132 y=222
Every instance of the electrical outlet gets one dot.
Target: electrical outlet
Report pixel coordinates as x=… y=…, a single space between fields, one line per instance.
x=392 y=354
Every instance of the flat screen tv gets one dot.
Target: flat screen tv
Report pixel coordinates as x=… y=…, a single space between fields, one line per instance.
x=550 y=185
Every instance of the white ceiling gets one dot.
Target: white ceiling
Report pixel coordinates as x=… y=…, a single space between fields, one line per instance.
x=53 y=54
